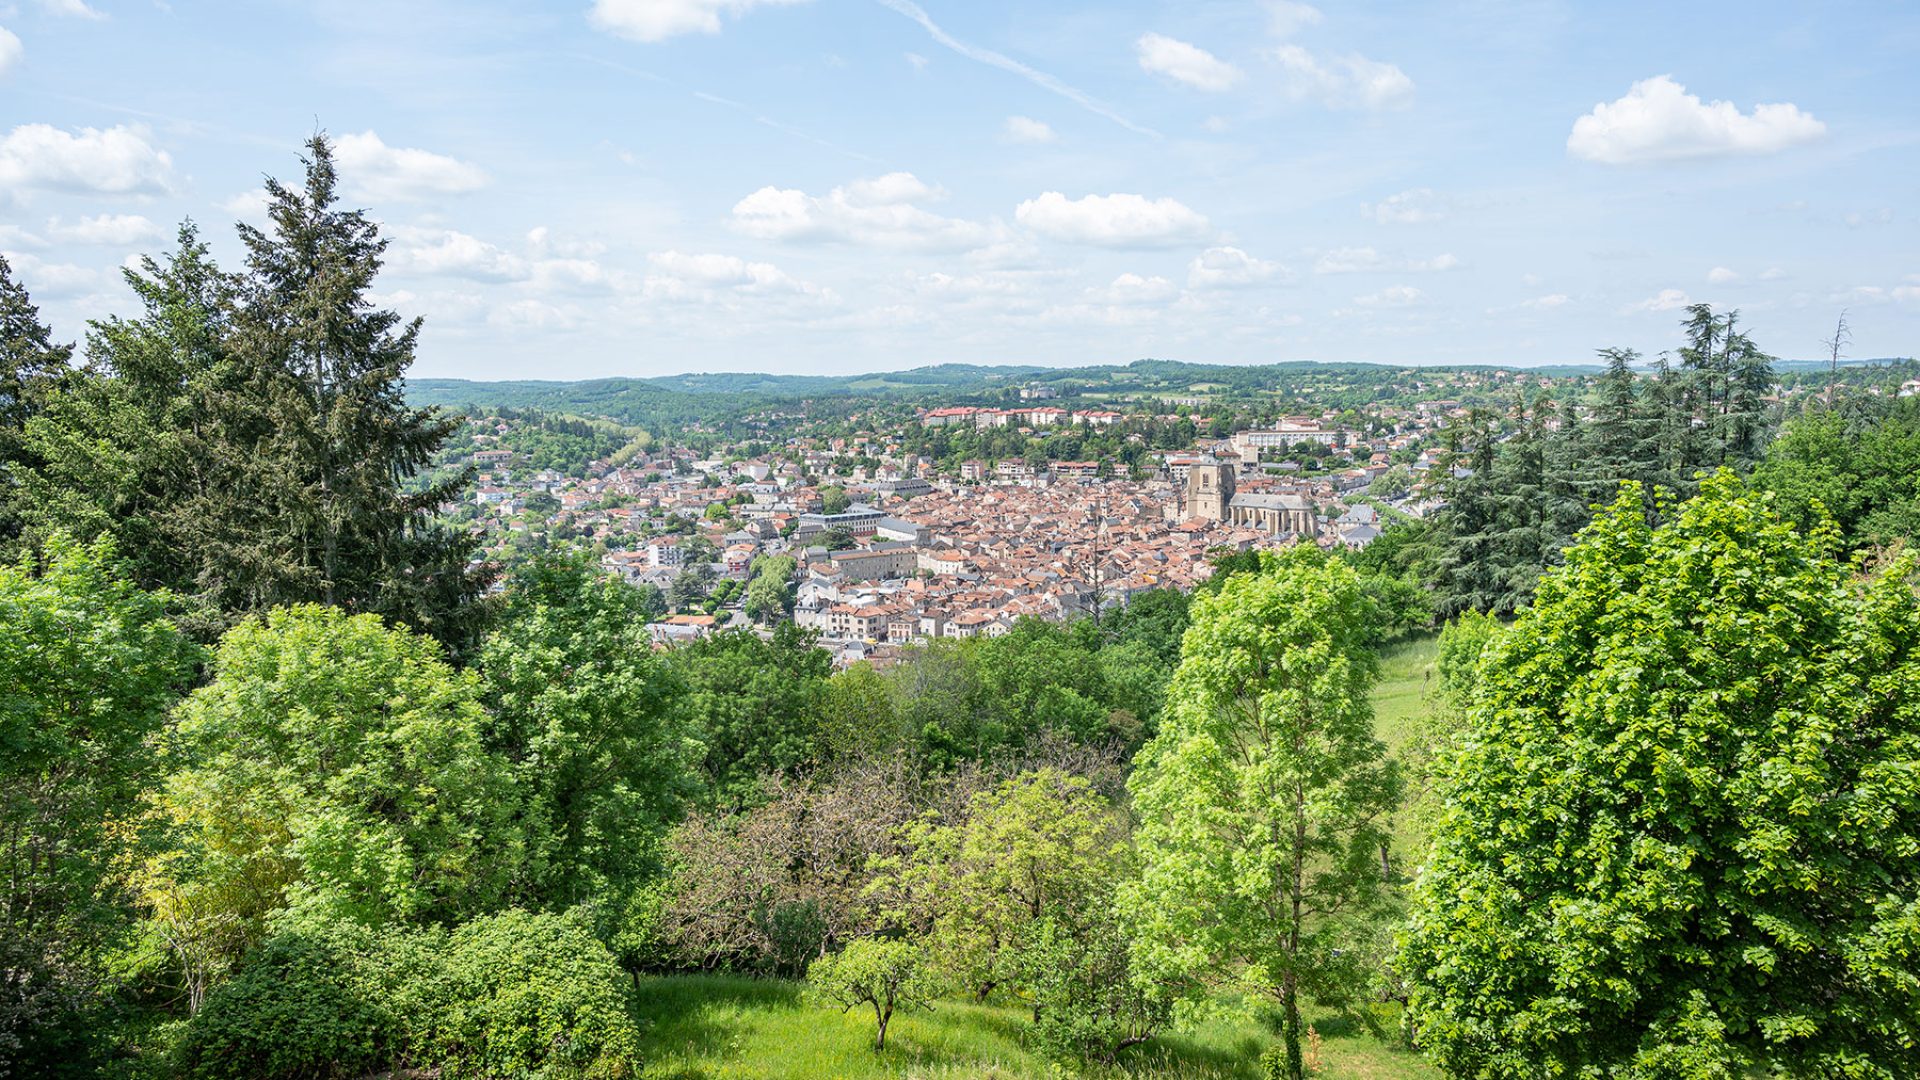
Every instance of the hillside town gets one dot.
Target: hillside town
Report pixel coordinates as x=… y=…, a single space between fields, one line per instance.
x=893 y=550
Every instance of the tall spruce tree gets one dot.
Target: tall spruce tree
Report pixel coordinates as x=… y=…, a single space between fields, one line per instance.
x=335 y=520
x=31 y=364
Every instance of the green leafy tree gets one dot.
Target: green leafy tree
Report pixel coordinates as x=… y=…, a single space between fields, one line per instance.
x=770 y=587
x=1264 y=799
x=1681 y=833
x=885 y=975
x=335 y=766
x=588 y=720
x=833 y=500
x=89 y=666
x=753 y=703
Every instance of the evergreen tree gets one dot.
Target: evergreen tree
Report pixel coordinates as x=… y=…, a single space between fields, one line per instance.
x=31 y=363
x=335 y=442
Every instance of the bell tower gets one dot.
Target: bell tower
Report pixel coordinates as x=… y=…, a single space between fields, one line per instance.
x=1209 y=490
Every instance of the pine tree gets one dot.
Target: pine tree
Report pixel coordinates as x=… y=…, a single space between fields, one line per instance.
x=31 y=363
x=336 y=440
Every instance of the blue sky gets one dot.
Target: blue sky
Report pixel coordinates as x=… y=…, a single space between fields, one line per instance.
x=639 y=187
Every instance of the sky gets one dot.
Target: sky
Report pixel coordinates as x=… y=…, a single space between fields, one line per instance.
x=593 y=188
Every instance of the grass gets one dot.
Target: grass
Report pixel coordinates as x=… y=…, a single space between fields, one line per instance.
x=720 y=1027
x=1400 y=707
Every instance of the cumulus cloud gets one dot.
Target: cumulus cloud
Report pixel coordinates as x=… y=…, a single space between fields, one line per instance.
x=451 y=253
x=1664 y=300
x=1025 y=129
x=10 y=50
x=118 y=229
x=541 y=241
x=1286 y=18
x=114 y=161
x=248 y=206
x=1391 y=296
x=884 y=211
x=73 y=9
x=658 y=20
x=1342 y=82
x=1130 y=288
x=1219 y=267
x=1658 y=120
x=1362 y=260
x=1415 y=206
x=681 y=276
x=1118 y=220
x=403 y=174
x=55 y=279
x=1721 y=275
x=1187 y=64
x=1547 y=302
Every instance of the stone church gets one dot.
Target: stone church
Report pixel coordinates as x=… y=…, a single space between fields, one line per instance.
x=1210 y=496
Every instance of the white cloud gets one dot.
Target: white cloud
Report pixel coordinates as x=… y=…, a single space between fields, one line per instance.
x=1415 y=206
x=541 y=241
x=1664 y=300
x=1343 y=82
x=1391 y=296
x=1215 y=125
x=1118 y=220
x=115 y=161
x=919 y=62
x=248 y=206
x=1720 y=275
x=1008 y=64
x=381 y=172
x=1772 y=273
x=658 y=20
x=451 y=253
x=52 y=279
x=1025 y=129
x=1219 y=267
x=1658 y=120
x=1184 y=63
x=680 y=276
x=1547 y=302
x=119 y=229
x=883 y=211
x=1130 y=289
x=10 y=50
x=534 y=315
x=1285 y=18
x=13 y=238
x=1365 y=260
x=75 y=9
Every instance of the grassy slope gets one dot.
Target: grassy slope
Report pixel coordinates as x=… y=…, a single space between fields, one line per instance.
x=729 y=1028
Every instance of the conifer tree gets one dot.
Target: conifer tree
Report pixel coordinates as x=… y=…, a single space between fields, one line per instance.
x=30 y=365
x=336 y=441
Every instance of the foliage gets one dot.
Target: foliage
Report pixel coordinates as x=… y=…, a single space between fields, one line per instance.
x=532 y=995
x=752 y=702
x=89 y=666
x=1682 y=828
x=588 y=721
x=31 y=366
x=886 y=975
x=1263 y=799
x=334 y=765
x=1858 y=463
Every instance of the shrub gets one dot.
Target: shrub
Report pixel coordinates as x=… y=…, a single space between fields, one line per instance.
x=536 y=996
x=887 y=975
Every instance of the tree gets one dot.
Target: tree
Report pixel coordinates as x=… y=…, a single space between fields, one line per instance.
x=335 y=766
x=884 y=974
x=833 y=500
x=753 y=703
x=332 y=441
x=1681 y=833
x=89 y=666
x=1042 y=846
x=31 y=365
x=1263 y=801
x=770 y=587
x=587 y=720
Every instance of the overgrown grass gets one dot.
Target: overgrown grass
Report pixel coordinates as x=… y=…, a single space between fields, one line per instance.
x=716 y=1027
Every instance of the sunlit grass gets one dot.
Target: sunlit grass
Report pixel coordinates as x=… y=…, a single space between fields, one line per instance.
x=710 y=1027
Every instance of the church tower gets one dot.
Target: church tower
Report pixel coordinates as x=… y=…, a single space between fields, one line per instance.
x=1210 y=490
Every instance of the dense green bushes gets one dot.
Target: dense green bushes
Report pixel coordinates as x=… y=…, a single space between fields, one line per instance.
x=513 y=994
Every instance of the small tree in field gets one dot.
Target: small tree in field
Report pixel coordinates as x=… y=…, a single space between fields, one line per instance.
x=886 y=975
x=1264 y=799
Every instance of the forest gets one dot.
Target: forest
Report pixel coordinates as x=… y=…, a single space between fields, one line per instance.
x=291 y=786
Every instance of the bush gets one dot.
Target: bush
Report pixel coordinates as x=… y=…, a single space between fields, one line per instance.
x=521 y=995
x=533 y=995
x=886 y=975
x=321 y=1000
